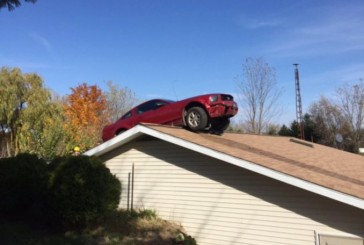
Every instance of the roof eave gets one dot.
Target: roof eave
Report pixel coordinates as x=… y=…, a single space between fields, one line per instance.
x=115 y=142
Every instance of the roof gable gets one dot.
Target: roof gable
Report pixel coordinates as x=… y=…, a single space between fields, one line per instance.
x=326 y=171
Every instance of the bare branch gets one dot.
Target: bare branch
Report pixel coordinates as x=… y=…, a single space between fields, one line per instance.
x=259 y=94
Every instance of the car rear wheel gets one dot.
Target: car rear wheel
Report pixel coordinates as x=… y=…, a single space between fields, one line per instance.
x=120 y=131
x=196 y=118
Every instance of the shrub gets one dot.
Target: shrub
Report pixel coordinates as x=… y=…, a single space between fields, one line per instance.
x=22 y=185
x=82 y=190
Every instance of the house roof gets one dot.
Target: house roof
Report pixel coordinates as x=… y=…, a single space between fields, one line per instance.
x=323 y=170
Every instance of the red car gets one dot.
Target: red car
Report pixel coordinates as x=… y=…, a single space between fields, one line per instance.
x=211 y=111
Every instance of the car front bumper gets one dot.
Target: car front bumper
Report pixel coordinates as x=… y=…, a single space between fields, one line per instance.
x=223 y=110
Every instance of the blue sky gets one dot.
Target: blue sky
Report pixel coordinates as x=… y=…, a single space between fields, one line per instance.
x=176 y=49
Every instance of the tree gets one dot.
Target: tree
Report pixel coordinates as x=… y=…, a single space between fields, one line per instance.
x=86 y=113
x=273 y=129
x=329 y=122
x=344 y=117
x=12 y=4
x=310 y=128
x=337 y=123
x=82 y=190
x=285 y=131
x=12 y=100
x=351 y=104
x=44 y=137
x=293 y=131
x=259 y=95
x=119 y=100
x=26 y=109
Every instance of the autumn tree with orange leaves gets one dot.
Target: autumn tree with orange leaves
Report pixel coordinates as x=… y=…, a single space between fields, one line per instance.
x=85 y=112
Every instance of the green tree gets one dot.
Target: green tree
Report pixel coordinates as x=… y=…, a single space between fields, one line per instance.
x=29 y=119
x=295 y=129
x=43 y=137
x=12 y=4
x=285 y=131
x=311 y=134
x=13 y=99
x=82 y=190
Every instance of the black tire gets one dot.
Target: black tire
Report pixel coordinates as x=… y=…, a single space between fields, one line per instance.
x=120 y=131
x=196 y=118
x=220 y=125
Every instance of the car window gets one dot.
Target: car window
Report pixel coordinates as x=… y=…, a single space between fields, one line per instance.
x=151 y=105
x=145 y=107
x=160 y=104
x=126 y=115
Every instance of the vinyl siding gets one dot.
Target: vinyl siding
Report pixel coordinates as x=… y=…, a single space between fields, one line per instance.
x=218 y=203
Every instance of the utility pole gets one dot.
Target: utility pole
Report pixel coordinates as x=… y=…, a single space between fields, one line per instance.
x=299 y=104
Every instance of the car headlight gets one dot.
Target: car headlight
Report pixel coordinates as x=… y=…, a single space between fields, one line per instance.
x=214 y=98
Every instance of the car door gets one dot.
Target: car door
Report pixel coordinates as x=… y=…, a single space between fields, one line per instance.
x=154 y=112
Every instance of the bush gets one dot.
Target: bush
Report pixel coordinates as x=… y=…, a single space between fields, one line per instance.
x=22 y=185
x=82 y=190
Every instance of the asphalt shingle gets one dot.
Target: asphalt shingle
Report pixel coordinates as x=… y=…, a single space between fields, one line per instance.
x=328 y=167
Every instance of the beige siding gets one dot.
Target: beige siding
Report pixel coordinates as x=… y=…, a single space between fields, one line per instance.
x=223 y=204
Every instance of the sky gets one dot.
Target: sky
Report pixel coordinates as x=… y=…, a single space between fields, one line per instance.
x=176 y=49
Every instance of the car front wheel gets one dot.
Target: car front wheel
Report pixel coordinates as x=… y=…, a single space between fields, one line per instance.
x=220 y=125
x=196 y=118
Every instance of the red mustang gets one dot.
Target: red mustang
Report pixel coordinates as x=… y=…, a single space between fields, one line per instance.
x=211 y=111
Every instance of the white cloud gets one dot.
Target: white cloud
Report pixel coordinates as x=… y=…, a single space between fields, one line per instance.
x=335 y=31
x=343 y=74
x=255 y=23
x=41 y=41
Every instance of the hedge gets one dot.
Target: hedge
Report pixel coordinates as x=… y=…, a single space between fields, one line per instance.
x=68 y=193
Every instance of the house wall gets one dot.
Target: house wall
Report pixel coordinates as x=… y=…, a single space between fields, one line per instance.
x=218 y=203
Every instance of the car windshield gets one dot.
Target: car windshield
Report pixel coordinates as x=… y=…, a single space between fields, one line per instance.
x=126 y=115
